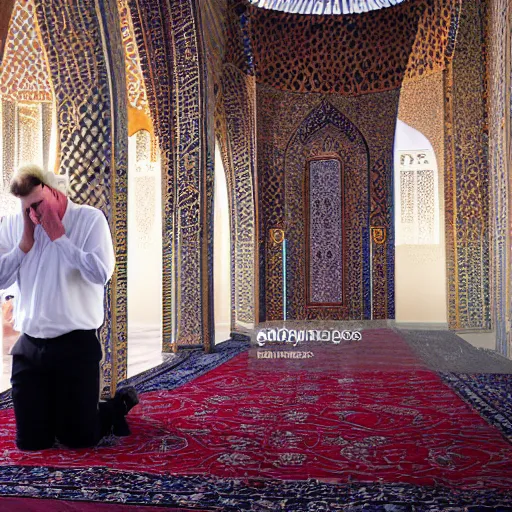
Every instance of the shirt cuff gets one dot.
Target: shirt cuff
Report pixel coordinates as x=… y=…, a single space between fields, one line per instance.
x=64 y=240
x=67 y=247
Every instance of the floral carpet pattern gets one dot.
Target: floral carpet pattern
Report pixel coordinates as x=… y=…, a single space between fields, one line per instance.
x=360 y=426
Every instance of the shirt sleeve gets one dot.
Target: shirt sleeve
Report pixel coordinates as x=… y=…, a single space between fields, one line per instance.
x=96 y=261
x=11 y=255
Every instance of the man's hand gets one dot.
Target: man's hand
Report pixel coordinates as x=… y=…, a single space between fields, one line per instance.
x=50 y=221
x=27 y=239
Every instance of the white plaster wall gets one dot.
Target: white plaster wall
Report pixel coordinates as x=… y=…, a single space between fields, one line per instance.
x=144 y=258
x=420 y=270
x=221 y=254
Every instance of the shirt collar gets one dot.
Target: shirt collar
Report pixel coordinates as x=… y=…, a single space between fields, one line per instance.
x=70 y=206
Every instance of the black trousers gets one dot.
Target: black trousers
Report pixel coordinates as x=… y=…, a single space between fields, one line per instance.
x=55 y=391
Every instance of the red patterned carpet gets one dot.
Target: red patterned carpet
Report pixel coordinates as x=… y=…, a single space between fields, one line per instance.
x=38 y=505
x=364 y=412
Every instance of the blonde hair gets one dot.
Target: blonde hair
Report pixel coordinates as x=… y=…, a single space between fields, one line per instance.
x=27 y=177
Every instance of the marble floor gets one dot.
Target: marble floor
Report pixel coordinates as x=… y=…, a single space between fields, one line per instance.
x=144 y=350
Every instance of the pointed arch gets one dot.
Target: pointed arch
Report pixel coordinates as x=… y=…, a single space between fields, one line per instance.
x=239 y=152
x=171 y=54
x=416 y=188
x=327 y=133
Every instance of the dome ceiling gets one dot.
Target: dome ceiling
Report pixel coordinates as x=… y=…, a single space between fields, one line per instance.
x=325 y=6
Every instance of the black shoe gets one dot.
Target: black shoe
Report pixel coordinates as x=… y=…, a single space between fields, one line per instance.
x=124 y=401
x=126 y=398
x=120 y=427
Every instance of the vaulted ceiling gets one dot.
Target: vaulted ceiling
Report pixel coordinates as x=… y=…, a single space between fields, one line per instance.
x=325 y=6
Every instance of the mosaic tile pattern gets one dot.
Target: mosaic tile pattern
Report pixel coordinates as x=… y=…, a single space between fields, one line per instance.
x=325 y=240
x=509 y=107
x=29 y=141
x=435 y=38
x=212 y=33
x=499 y=169
x=47 y=120
x=110 y=26
x=26 y=137
x=213 y=17
x=273 y=275
x=208 y=263
x=283 y=57
x=145 y=187
x=169 y=50
x=426 y=204
x=136 y=88
x=467 y=177
x=422 y=108
x=72 y=35
x=284 y=120
x=239 y=99
x=327 y=131
x=8 y=141
x=238 y=48
x=193 y=324
x=345 y=54
x=156 y=59
x=222 y=138
x=25 y=93
x=236 y=111
x=24 y=72
x=381 y=220
x=81 y=94
x=418 y=213
x=271 y=183
x=449 y=189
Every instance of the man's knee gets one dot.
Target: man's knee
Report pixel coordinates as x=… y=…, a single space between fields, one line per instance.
x=79 y=440
x=34 y=444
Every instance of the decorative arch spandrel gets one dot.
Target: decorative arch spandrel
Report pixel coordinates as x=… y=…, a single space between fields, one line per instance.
x=325 y=134
x=171 y=57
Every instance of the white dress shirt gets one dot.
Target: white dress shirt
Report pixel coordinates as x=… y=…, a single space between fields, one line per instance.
x=60 y=284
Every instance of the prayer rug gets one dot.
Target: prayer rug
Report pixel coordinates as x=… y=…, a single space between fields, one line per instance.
x=38 y=505
x=360 y=424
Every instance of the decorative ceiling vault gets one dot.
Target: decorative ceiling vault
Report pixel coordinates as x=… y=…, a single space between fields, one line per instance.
x=139 y=116
x=24 y=73
x=344 y=54
x=325 y=6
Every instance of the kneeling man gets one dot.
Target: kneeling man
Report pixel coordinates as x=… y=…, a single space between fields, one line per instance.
x=60 y=256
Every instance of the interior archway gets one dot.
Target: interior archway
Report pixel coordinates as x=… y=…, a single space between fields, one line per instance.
x=327 y=136
x=144 y=256
x=419 y=234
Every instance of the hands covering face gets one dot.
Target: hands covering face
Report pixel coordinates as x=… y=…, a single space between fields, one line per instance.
x=51 y=212
x=27 y=239
x=48 y=212
x=50 y=220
